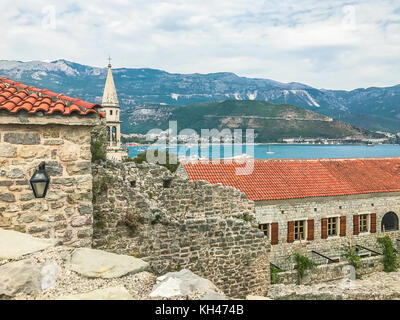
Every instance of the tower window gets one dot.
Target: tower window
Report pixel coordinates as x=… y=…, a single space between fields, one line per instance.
x=110 y=112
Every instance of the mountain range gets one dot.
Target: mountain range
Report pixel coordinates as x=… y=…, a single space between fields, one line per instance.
x=270 y=122
x=373 y=108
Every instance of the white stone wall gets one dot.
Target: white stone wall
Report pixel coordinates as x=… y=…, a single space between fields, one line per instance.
x=323 y=207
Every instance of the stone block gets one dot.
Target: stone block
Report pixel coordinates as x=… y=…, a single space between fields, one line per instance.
x=69 y=152
x=7 y=197
x=53 y=142
x=22 y=138
x=8 y=151
x=6 y=183
x=79 y=168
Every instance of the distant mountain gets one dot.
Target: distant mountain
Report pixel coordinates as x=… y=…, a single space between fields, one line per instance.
x=271 y=122
x=372 y=108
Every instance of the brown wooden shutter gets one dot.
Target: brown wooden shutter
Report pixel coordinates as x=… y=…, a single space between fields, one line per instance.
x=290 y=231
x=310 y=229
x=373 y=223
x=324 y=228
x=356 y=228
x=274 y=233
x=343 y=226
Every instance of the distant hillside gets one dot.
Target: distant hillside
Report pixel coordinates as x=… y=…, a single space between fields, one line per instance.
x=271 y=122
x=371 y=108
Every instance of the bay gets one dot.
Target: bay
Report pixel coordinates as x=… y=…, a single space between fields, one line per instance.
x=277 y=151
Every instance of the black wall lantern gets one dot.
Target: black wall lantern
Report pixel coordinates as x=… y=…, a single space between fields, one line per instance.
x=40 y=181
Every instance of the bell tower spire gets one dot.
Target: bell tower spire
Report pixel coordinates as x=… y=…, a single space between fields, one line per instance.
x=111 y=109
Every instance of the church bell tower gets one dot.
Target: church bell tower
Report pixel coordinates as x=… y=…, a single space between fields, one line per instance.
x=111 y=110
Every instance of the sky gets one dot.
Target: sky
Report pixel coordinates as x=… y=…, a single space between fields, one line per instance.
x=333 y=44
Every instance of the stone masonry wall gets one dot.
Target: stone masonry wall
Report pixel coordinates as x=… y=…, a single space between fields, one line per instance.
x=209 y=229
x=324 y=207
x=330 y=272
x=66 y=212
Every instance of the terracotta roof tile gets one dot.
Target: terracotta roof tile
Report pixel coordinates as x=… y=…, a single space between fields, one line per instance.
x=16 y=96
x=287 y=179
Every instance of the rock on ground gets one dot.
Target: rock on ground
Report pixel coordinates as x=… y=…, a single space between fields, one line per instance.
x=20 y=277
x=15 y=244
x=101 y=264
x=185 y=284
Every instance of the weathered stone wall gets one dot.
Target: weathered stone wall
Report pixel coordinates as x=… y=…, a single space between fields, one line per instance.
x=330 y=272
x=209 y=229
x=324 y=207
x=66 y=212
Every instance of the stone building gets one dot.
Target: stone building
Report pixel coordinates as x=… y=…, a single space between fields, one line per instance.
x=111 y=110
x=39 y=126
x=316 y=207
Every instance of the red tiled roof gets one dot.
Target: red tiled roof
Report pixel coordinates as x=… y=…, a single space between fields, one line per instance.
x=287 y=179
x=15 y=96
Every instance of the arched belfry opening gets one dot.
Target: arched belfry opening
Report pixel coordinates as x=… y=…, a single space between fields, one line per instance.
x=390 y=222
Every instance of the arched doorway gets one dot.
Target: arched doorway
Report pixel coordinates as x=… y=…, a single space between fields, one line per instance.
x=390 y=222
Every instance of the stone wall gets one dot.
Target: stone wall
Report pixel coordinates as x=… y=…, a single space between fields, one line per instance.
x=144 y=210
x=330 y=272
x=66 y=212
x=324 y=207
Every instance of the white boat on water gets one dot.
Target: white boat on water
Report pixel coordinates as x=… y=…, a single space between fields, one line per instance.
x=269 y=150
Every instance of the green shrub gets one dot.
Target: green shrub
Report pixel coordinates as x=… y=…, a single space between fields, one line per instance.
x=389 y=254
x=352 y=257
x=98 y=145
x=140 y=158
x=303 y=264
x=274 y=273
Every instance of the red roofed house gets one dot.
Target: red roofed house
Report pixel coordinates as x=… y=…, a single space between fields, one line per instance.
x=37 y=125
x=317 y=206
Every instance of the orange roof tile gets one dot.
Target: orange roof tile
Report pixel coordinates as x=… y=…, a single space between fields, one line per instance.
x=16 y=96
x=288 y=179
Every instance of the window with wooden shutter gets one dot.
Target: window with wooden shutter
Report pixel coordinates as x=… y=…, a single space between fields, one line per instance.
x=363 y=223
x=373 y=223
x=332 y=226
x=356 y=230
x=300 y=230
x=343 y=226
x=290 y=235
x=274 y=233
x=324 y=228
x=310 y=229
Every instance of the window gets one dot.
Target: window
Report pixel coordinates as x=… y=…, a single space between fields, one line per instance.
x=390 y=222
x=332 y=226
x=300 y=230
x=363 y=222
x=265 y=228
x=110 y=112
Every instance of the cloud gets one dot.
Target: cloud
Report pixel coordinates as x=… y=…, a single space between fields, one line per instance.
x=337 y=44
